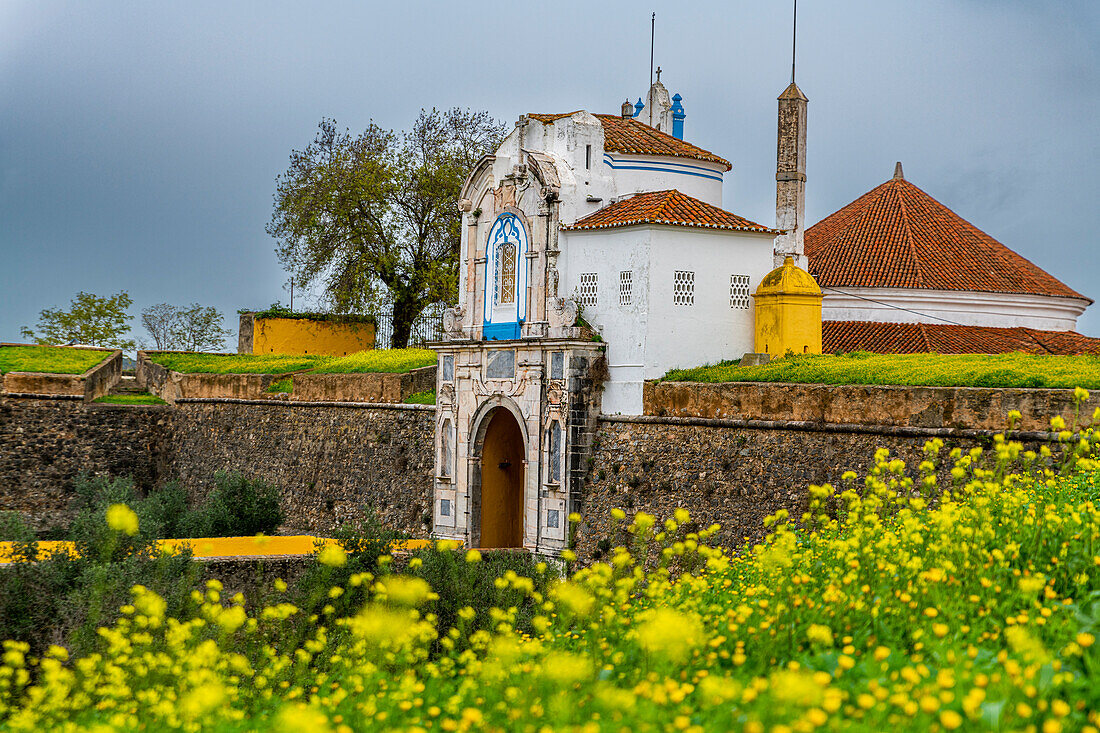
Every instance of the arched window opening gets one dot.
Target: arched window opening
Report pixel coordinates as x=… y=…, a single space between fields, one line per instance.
x=445 y=450
x=506 y=273
x=553 y=452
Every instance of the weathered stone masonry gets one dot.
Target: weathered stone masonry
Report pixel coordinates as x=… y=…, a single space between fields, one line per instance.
x=730 y=473
x=46 y=442
x=329 y=460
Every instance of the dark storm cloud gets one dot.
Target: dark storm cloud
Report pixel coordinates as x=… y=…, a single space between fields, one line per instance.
x=139 y=142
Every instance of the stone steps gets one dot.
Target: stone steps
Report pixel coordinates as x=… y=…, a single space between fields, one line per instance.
x=127 y=385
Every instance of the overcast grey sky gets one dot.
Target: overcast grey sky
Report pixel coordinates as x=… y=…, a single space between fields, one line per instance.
x=140 y=141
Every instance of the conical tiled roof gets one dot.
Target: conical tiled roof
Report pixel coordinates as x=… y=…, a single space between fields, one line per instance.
x=897 y=236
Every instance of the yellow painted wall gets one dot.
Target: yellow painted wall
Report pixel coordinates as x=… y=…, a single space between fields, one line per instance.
x=223 y=546
x=304 y=336
x=788 y=312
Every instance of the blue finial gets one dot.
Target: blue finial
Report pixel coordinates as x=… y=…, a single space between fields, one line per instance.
x=678 y=116
x=638 y=107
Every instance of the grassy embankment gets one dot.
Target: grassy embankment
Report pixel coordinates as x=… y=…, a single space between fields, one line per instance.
x=49 y=359
x=391 y=361
x=421 y=398
x=380 y=360
x=931 y=370
x=131 y=399
x=236 y=363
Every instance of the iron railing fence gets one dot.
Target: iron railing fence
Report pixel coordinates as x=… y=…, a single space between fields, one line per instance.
x=427 y=327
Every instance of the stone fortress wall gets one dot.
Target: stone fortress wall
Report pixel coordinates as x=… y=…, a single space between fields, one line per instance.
x=330 y=459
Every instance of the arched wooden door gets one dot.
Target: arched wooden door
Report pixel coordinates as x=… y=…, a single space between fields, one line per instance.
x=502 y=482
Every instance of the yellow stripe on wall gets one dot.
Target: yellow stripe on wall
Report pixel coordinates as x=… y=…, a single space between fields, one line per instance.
x=259 y=546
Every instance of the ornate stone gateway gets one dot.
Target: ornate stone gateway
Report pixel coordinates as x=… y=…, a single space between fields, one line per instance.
x=514 y=426
x=519 y=378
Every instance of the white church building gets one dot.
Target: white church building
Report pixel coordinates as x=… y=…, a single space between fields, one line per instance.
x=639 y=242
x=595 y=255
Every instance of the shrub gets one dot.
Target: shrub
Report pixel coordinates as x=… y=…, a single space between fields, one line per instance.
x=461 y=583
x=58 y=598
x=13 y=528
x=237 y=507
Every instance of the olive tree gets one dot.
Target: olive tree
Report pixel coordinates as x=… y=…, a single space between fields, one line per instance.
x=357 y=210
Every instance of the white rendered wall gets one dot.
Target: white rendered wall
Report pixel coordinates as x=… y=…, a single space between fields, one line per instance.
x=710 y=330
x=652 y=335
x=578 y=140
x=967 y=308
x=636 y=173
x=608 y=252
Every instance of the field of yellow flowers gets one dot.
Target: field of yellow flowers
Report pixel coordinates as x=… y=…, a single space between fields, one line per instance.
x=892 y=604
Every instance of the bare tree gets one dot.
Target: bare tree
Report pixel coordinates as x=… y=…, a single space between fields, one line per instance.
x=158 y=321
x=194 y=328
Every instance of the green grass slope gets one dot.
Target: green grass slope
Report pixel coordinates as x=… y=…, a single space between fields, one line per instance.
x=932 y=370
x=49 y=359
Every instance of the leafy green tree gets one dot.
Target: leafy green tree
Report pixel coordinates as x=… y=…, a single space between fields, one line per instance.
x=193 y=328
x=356 y=211
x=91 y=320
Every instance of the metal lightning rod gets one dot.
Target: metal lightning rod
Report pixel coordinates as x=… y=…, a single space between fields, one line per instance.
x=652 y=30
x=794 y=37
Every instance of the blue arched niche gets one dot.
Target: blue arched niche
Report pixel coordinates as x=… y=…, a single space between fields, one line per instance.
x=505 y=278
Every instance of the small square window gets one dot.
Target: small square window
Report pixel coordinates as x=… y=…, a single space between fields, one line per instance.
x=553 y=519
x=626 y=287
x=448 y=368
x=683 y=288
x=444 y=507
x=589 y=289
x=739 y=292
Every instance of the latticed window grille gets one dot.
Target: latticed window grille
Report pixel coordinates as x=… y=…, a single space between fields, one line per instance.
x=589 y=288
x=626 y=287
x=739 y=292
x=683 y=288
x=506 y=273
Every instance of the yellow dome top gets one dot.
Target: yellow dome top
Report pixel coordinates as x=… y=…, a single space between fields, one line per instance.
x=788 y=279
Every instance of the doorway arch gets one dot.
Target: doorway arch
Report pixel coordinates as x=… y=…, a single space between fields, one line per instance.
x=499 y=493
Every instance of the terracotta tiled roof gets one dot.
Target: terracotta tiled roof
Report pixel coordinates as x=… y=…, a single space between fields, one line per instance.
x=666 y=207
x=915 y=338
x=897 y=236
x=546 y=119
x=628 y=135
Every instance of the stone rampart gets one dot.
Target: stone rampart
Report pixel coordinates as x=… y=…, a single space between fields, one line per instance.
x=328 y=460
x=171 y=386
x=969 y=408
x=736 y=472
x=375 y=387
x=90 y=385
x=46 y=442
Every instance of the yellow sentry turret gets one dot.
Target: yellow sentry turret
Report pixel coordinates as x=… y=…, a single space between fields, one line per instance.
x=788 y=312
